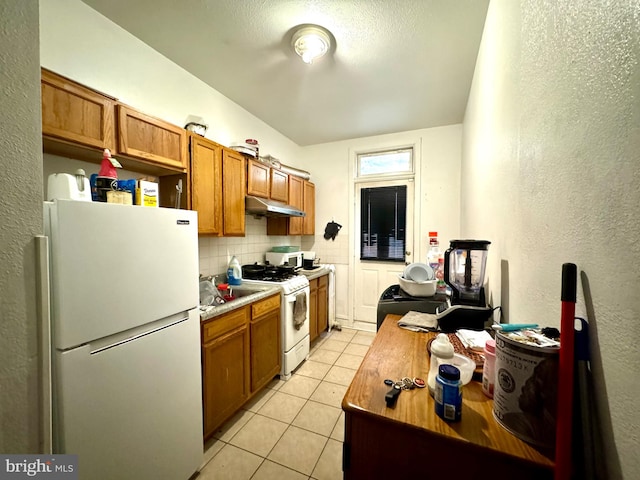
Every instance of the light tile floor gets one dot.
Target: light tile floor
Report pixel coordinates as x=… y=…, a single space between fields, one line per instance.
x=295 y=429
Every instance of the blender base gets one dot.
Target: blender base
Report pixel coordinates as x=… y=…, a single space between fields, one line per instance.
x=454 y=317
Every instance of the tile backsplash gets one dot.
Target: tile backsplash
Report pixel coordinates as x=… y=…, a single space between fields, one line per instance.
x=215 y=252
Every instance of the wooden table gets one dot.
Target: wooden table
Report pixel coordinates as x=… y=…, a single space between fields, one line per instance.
x=410 y=440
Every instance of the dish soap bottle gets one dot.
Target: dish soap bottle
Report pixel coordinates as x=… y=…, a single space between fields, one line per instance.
x=234 y=272
x=441 y=351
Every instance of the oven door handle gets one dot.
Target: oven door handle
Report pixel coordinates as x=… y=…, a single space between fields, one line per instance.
x=291 y=298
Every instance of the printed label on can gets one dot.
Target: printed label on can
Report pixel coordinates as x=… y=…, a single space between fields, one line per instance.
x=525 y=390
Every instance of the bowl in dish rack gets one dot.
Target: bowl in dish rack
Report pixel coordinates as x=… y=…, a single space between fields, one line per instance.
x=418 y=272
x=418 y=289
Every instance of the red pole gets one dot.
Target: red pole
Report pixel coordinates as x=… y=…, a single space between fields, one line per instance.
x=565 y=375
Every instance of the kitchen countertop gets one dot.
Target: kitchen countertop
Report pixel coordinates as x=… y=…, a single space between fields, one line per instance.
x=260 y=292
x=410 y=434
x=316 y=272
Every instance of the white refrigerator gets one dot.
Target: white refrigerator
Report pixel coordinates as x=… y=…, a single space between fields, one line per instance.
x=126 y=392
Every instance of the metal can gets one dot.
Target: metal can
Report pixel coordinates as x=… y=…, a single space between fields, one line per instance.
x=448 y=393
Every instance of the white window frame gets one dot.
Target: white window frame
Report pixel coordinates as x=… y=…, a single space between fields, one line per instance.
x=369 y=177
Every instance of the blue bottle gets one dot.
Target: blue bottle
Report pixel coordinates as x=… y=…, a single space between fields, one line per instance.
x=448 y=393
x=234 y=272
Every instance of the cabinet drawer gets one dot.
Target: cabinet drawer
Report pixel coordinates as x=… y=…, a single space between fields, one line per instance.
x=263 y=306
x=224 y=323
x=323 y=281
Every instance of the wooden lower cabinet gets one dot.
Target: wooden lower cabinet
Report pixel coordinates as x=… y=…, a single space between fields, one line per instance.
x=240 y=355
x=318 y=306
x=265 y=341
x=225 y=368
x=323 y=303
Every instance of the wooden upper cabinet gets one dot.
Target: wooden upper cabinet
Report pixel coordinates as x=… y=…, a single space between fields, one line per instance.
x=302 y=196
x=309 y=221
x=279 y=186
x=206 y=184
x=76 y=113
x=233 y=192
x=296 y=199
x=150 y=139
x=258 y=179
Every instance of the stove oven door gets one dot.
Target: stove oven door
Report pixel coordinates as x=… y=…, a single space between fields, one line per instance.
x=295 y=329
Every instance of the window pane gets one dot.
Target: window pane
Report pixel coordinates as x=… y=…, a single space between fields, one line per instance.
x=398 y=161
x=383 y=223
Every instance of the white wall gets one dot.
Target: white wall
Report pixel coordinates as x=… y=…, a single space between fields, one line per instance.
x=80 y=43
x=437 y=208
x=550 y=174
x=21 y=219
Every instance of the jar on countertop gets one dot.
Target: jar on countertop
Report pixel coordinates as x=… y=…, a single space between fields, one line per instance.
x=448 y=393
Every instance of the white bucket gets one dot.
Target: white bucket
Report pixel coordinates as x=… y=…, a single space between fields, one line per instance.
x=526 y=385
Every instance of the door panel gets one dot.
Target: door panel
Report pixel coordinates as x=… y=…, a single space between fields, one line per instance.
x=372 y=277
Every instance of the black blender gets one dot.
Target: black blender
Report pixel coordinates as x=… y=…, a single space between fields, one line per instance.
x=464 y=268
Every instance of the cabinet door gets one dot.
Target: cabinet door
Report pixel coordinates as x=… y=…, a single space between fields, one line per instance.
x=279 y=186
x=151 y=140
x=265 y=347
x=225 y=377
x=233 y=192
x=76 y=113
x=206 y=184
x=257 y=179
x=323 y=304
x=296 y=199
x=313 y=309
x=309 y=221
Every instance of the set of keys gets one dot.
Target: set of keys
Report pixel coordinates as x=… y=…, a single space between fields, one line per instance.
x=405 y=383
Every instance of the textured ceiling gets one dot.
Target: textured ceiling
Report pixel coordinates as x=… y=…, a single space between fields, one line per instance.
x=397 y=65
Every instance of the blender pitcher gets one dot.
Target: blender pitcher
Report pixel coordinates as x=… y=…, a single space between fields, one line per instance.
x=464 y=267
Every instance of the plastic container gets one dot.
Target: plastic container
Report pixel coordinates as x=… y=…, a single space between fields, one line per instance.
x=441 y=352
x=448 y=393
x=434 y=252
x=418 y=272
x=234 y=272
x=418 y=289
x=488 y=370
x=435 y=259
x=465 y=365
x=441 y=286
x=285 y=248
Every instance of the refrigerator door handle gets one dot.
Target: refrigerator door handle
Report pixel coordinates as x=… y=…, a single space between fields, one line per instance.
x=120 y=339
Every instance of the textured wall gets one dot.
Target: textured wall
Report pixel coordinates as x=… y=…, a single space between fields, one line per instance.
x=550 y=174
x=21 y=219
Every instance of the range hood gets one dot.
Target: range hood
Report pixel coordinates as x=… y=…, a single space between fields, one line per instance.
x=264 y=207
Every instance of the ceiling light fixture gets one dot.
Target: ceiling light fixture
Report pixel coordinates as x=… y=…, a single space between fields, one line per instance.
x=311 y=42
